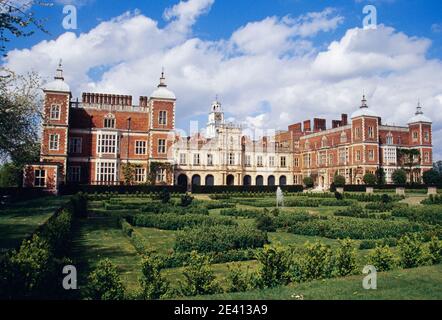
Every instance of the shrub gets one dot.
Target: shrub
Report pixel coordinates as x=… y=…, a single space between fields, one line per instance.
x=233 y=212
x=369 y=179
x=219 y=239
x=274 y=264
x=435 y=249
x=399 y=177
x=371 y=244
x=164 y=196
x=288 y=219
x=433 y=199
x=428 y=214
x=186 y=200
x=265 y=223
x=339 y=181
x=308 y=182
x=411 y=251
x=79 y=205
x=153 y=285
x=345 y=259
x=385 y=198
x=200 y=279
x=382 y=258
x=238 y=280
x=105 y=283
x=316 y=262
x=339 y=196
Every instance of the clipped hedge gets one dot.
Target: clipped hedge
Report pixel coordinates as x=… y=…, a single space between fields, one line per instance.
x=172 y=221
x=219 y=239
x=354 y=228
x=245 y=189
x=158 y=207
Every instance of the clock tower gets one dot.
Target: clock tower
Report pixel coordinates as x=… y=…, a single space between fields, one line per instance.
x=216 y=118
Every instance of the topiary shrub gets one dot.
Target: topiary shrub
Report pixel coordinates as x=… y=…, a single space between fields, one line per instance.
x=308 y=182
x=186 y=200
x=369 y=179
x=153 y=286
x=382 y=258
x=265 y=223
x=411 y=251
x=274 y=265
x=399 y=177
x=339 y=181
x=345 y=258
x=164 y=196
x=316 y=262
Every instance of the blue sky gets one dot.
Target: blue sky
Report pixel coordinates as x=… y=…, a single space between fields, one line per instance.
x=272 y=62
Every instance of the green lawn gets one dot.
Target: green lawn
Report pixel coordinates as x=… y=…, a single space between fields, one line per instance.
x=21 y=219
x=161 y=241
x=99 y=238
x=409 y=284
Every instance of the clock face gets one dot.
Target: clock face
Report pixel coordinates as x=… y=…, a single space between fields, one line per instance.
x=218 y=117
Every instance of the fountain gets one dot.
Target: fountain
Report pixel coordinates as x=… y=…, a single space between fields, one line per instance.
x=279 y=198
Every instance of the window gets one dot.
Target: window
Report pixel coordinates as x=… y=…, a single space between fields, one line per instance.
x=210 y=160
x=358 y=155
x=109 y=121
x=161 y=175
x=342 y=156
x=162 y=118
x=343 y=137
x=330 y=160
x=106 y=172
x=55 y=112
x=370 y=132
x=283 y=162
x=324 y=142
x=271 y=161
x=140 y=147
x=183 y=159
x=231 y=159
x=370 y=154
x=415 y=135
x=427 y=157
x=426 y=136
x=390 y=140
x=74 y=174
x=75 y=145
x=296 y=162
x=196 y=159
x=307 y=160
x=259 y=161
x=39 y=178
x=358 y=132
x=248 y=161
x=54 y=142
x=390 y=155
x=161 y=146
x=107 y=143
x=140 y=175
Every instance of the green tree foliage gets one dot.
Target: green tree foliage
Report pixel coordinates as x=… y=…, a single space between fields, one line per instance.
x=239 y=280
x=274 y=264
x=264 y=222
x=339 y=181
x=105 y=283
x=411 y=251
x=153 y=285
x=382 y=258
x=432 y=177
x=369 y=179
x=409 y=159
x=199 y=277
x=308 y=182
x=399 y=177
x=129 y=170
x=380 y=176
x=10 y=175
x=186 y=200
x=345 y=258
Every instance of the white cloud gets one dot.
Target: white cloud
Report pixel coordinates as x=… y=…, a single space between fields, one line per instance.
x=268 y=73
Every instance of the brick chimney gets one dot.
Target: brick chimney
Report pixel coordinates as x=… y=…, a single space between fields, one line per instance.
x=307 y=126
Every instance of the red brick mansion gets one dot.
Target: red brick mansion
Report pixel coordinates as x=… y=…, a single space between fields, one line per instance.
x=96 y=140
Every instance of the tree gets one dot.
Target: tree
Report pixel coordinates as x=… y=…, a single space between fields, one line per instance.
x=409 y=159
x=438 y=166
x=105 y=283
x=10 y=175
x=274 y=268
x=20 y=117
x=17 y=20
x=431 y=177
x=369 y=179
x=339 y=181
x=399 y=176
x=129 y=170
x=382 y=258
x=380 y=176
x=153 y=285
x=411 y=251
x=345 y=259
x=308 y=182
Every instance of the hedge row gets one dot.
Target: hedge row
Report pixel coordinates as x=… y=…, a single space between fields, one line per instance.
x=171 y=221
x=219 y=238
x=119 y=189
x=433 y=199
x=353 y=228
x=425 y=214
x=297 y=202
x=158 y=207
x=33 y=271
x=245 y=189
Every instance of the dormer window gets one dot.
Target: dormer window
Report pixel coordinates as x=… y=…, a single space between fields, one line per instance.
x=324 y=142
x=55 y=112
x=390 y=140
x=109 y=121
